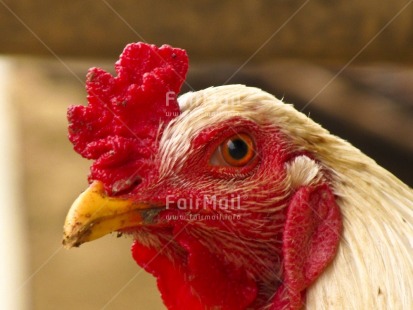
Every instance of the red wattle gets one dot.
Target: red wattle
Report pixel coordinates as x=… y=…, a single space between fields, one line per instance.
x=310 y=241
x=201 y=281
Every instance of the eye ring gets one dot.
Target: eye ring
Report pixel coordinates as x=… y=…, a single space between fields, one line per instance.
x=236 y=151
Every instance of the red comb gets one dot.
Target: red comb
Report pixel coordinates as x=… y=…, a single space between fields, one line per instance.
x=120 y=126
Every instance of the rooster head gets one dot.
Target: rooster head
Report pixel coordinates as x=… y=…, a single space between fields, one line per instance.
x=226 y=208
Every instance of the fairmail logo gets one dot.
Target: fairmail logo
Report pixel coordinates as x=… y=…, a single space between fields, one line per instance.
x=170 y=98
x=206 y=202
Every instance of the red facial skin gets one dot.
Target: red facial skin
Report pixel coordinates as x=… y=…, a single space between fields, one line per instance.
x=205 y=263
x=301 y=238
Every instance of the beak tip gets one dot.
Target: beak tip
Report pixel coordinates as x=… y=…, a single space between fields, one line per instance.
x=69 y=242
x=74 y=235
x=94 y=214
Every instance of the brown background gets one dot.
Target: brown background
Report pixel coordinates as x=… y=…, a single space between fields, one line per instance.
x=213 y=30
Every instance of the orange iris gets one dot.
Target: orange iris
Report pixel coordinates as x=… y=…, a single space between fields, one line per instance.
x=238 y=150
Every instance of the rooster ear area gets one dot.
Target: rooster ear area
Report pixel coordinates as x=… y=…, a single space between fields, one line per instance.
x=311 y=237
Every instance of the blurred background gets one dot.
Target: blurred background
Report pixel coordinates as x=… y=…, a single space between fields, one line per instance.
x=346 y=64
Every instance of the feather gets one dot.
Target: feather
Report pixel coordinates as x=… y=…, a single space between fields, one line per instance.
x=373 y=268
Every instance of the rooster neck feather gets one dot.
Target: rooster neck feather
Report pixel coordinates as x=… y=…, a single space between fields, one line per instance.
x=375 y=256
x=374 y=264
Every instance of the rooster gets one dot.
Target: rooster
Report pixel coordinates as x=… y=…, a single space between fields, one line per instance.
x=234 y=199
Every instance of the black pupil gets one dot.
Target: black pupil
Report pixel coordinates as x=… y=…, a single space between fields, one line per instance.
x=237 y=148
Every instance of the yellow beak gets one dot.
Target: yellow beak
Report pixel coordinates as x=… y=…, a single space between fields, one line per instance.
x=95 y=214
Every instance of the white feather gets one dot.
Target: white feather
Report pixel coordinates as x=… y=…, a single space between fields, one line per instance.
x=373 y=268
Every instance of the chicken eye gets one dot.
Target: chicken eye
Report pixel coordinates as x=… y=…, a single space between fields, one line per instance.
x=236 y=151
